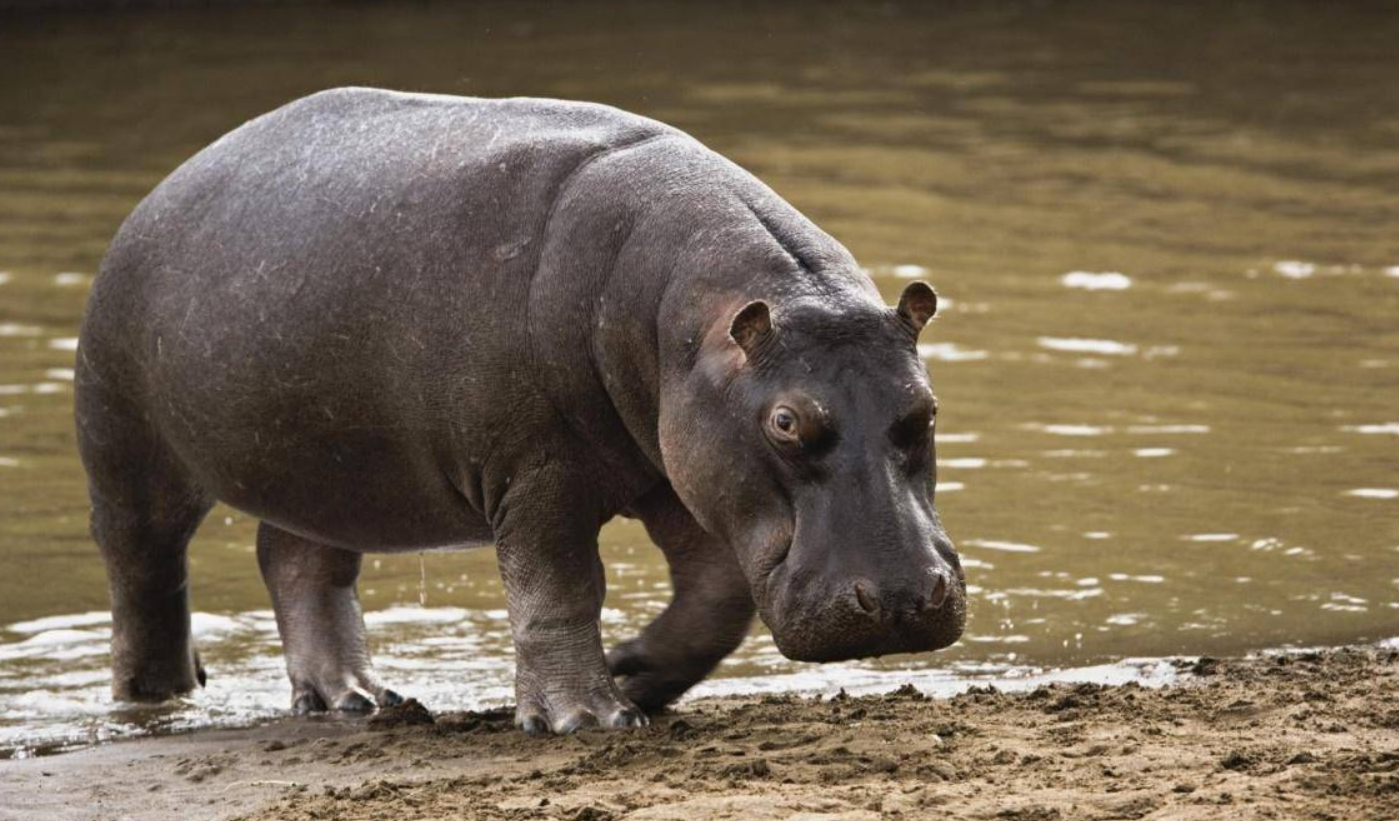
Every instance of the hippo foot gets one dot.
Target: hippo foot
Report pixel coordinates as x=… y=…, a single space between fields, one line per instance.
x=651 y=681
x=566 y=713
x=157 y=682
x=354 y=693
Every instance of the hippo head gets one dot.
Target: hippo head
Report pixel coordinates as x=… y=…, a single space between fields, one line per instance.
x=803 y=435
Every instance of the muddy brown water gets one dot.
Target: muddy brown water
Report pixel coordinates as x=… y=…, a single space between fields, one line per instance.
x=1169 y=372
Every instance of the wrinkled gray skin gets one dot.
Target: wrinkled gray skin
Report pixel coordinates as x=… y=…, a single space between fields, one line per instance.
x=392 y=322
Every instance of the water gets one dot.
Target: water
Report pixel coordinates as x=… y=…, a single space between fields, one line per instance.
x=1168 y=373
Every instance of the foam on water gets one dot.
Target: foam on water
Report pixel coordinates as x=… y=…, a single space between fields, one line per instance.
x=1070 y=430
x=1374 y=493
x=1294 y=269
x=1003 y=546
x=1168 y=429
x=949 y=352
x=39 y=388
x=1089 y=281
x=1144 y=579
x=414 y=615
x=76 y=620
x=1108 y=347
x=963 y=463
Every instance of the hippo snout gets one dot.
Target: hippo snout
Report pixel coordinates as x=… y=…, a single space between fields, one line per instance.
x=904 y=603
x=916 y=610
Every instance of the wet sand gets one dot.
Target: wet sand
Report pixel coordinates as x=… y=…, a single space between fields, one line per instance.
x=1309 y=735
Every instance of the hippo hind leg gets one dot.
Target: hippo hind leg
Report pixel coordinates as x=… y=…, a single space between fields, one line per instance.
x=145 y=508
x=320 y=622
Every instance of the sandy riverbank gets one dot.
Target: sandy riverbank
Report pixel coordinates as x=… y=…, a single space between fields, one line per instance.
x=1302 y=736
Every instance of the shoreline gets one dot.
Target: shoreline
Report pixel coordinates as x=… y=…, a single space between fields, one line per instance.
x=1307 y=734
x=247 y=693
x=820 y=680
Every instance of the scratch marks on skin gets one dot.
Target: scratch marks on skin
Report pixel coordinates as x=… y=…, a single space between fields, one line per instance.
x=184 y=323
x=509 y=250
x=495 y=133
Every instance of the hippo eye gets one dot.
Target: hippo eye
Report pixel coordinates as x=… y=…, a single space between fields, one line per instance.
x=784 y=423
x=913 y=430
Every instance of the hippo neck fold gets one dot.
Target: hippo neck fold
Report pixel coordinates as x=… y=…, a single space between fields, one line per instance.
x=728 y=244
x=647 y=247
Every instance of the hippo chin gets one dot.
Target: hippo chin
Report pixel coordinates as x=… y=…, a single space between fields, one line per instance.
x=387 y=322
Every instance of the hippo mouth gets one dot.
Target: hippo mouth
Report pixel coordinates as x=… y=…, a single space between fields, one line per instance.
x=821 y=620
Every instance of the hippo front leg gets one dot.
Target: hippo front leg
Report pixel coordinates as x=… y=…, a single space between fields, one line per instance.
x=554 y=585
x=708 y=615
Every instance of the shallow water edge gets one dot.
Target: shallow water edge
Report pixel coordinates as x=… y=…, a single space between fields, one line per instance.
x=1295 y=735
x=54 y=678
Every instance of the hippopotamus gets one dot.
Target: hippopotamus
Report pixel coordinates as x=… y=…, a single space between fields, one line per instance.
x=382 y=322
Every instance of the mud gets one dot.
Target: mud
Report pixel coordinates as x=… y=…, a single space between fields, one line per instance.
x=1298 y=736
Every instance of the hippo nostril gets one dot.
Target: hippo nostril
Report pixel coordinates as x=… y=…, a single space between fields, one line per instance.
x=939 y=593
x=866 y=598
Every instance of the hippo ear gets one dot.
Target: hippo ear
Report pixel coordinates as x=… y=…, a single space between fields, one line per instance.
x=752 y=326
x=917 y=305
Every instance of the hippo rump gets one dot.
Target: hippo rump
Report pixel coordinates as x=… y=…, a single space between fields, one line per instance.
x=390 y=322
